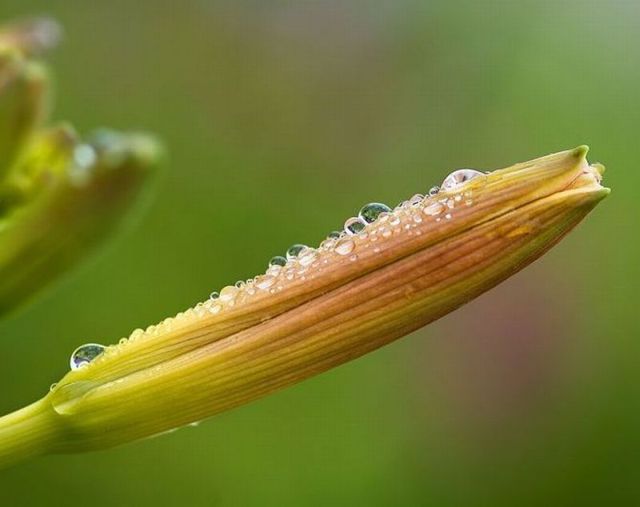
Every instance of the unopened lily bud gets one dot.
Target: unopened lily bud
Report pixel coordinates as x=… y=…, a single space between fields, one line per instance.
x=31 y=36
x=71 y=197
x=23 y=104
x=390 y=271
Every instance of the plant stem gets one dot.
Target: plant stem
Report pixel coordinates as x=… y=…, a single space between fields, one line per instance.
x=26 y=433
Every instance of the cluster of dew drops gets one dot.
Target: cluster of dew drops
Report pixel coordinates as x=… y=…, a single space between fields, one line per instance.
x=299 y=259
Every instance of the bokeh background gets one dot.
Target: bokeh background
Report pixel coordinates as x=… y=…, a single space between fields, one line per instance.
x=281 y=119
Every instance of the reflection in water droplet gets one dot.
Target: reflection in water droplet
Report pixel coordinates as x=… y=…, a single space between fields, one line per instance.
x=353 y=226
x=345 y=246
x=84 y=354
x=334 y=234
x=457 y=178
x=434 y=190
x=278 y=260
x=370 y=212
x=214 y=295
x=294 y=250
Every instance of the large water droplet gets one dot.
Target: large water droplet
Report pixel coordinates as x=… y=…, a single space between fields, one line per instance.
x=278 y=260
x=370 y=212
x=334 y=234
x=84 y=354
x=353 y=226
x=457 y=178
x=294 y=250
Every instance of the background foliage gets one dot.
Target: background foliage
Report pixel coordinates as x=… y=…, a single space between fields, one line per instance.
x=281 y=119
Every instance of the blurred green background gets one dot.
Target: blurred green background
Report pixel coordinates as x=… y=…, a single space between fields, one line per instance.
x=281 y=120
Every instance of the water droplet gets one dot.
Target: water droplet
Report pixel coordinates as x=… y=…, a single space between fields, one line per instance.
x=448 y=216
x=265 y=281
x=53 y=386
x=228 y=293
x=433 y=209
x=459 y=177
x=214 y=295
x=416 y=218
x=434 y=190
x=416 y=199
x=353 y=226
x=294 y=250
x=354 y=257
x=334 y=234
x=307 y=256
x=370 y=212
x=345 y=246
x=278 y=260
x=215 y=308
x=84 y=354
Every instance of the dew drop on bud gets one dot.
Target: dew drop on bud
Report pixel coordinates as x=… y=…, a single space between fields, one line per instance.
x=345 y=246
x=434 y=190
x=265 y=281
x=278 y=260
x=307 y=256
x=433 y=209
x=84 y=354
x=334 y=234
x=214 y=295
x=459 y=177
x=370 y=212
x=353 y=226
x=294 y=250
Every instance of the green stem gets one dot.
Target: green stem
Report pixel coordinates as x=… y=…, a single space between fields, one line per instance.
x=26 y=433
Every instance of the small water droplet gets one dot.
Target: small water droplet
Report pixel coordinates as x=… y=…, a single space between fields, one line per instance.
x=214 y=295
x=416 y=199
x=53 y=386
x=353 y=226
x=434 y=190
x=294 y=250
x=84 y=354
x=370 y=212
x=228 y=293
x=416 y=218
x=459 y=177
x=433 y=209
x=345 y=246
x=448 y=216
x=278 y=260
x=334 y=234
x=307 y=256
x=215 y=308
x=265 y=281
x=354 y=257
